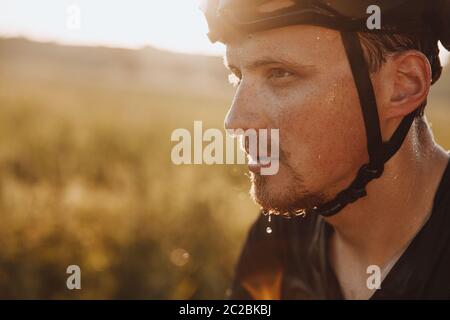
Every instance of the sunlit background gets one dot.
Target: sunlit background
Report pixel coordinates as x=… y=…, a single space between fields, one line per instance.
x=170 y=24
x=87 y=107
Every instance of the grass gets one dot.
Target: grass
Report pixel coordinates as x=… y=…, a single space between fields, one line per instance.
x=86 y=179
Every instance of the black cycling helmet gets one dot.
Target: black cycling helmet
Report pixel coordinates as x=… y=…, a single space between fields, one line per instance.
x=431 y=17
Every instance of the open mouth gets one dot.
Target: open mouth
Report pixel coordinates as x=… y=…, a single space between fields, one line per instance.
x=255 y=166
x=257 y=159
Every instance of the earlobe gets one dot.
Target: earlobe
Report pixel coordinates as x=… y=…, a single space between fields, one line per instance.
x=412 y=82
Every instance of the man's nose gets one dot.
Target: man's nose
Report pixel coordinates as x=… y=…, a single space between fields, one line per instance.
x=246 y=111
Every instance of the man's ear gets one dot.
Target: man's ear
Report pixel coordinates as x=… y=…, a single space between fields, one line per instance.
x=411 y=81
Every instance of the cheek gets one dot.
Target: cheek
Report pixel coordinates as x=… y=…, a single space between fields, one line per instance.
x=322 y=130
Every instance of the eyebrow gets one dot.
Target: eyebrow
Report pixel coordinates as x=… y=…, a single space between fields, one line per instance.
x=264 y=61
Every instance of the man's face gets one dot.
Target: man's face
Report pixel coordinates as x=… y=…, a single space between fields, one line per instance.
x=298 y=80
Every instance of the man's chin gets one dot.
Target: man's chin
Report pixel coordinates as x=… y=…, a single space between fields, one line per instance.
x=264 y=192
x=272 y=196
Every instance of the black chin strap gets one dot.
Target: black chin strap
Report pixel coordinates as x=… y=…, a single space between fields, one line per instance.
x=379 y=152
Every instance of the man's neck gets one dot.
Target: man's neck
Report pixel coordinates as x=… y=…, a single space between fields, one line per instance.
x=376 y=227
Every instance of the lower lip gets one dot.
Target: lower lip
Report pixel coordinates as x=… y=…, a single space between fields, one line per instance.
x=256 y=167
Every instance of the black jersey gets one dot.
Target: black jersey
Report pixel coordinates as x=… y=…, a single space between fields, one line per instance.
x=293 y=260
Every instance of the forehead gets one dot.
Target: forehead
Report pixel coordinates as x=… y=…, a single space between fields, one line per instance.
x=309 y=43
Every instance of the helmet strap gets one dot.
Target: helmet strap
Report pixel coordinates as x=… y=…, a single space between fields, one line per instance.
x=379 y=152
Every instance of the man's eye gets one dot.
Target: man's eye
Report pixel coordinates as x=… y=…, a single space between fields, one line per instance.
x=279 y=73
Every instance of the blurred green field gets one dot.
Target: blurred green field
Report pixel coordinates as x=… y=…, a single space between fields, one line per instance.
x=86 y=176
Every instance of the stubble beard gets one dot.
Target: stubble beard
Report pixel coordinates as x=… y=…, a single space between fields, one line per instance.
x=288 y=198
